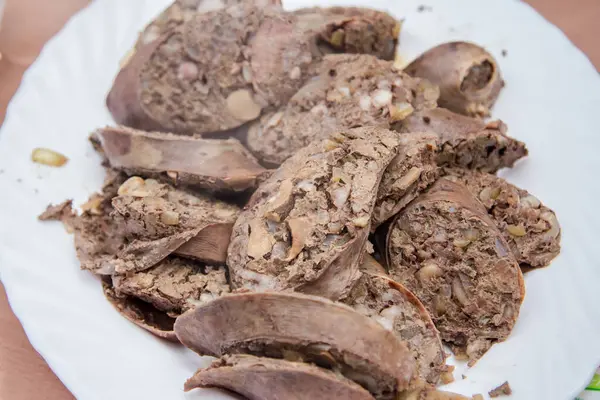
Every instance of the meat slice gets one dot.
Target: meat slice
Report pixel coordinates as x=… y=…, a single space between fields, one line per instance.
x=446 y=250
x=141 y=313
x=174 y=285
x=529 y=227
x=412 y=171
x=466 y=142
x=258 y=378
x=306 y=226
x=351 y=30
x=398 y=310
x=216 y=165
x=148 y=211
x=97 y=238
x=309 y=328
x=201 y=78
x=350 y=91
x=182 y=11
x=468 y=76
x=137 y=223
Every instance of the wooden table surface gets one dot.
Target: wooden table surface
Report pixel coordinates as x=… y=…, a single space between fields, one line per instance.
x=23 y=373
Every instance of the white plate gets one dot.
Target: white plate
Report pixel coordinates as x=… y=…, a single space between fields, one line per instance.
x=551 y=101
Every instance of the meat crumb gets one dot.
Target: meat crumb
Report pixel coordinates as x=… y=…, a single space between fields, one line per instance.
x=504 y=52
x=478 y=397
x=57 y=212
x=423 y=8
x=502 y=390
x=464 y=376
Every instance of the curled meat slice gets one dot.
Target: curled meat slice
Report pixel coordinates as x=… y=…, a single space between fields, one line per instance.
x=141 y=313
x=466 y=142
x=350 y=91
x=467 y=75
x=218 y=165
x=398 y=310
x=446 y=250
x=306 y=226
x=262 y=378
x=308 y=328
x=221 y=68
x=529 y=227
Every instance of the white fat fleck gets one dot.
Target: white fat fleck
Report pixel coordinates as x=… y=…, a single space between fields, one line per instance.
x=382 y=98
x=345 y=91
x=387 y=296
x=210 y=5
x=259 y=282
x=365 y=103
x=387 y=316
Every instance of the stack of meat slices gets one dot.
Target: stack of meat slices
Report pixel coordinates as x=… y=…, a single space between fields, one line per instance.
x=196 y=240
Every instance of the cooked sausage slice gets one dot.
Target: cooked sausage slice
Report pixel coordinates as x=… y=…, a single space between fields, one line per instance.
x=314 y=329
x=468 y=76
x=350 y=91
x=213 y=164
x=200 y=78
x=395 y=308
x=306 y=226
x=466 y=142
x=446 y=250
x=529 y=227
x=174 y=285
x=259 y=378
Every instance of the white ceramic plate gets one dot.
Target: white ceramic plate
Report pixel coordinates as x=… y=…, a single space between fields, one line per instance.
x=551 y=101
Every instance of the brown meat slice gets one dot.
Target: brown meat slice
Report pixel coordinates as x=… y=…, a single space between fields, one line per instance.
x=217 y=165
x=351 y=30
x=350 y=91
x=398 y=310
x=309 y=328
x=467 y=75
x=97 y=238
x=174 y=285
x=201 y=78
x=137 y=223
x=141 y=313
x=446 y=250
x=258 y=378
x=466 y=142
x=149 y=211
x=530 y=228
x=412 y=171
x=305 y=227
x=182 y=11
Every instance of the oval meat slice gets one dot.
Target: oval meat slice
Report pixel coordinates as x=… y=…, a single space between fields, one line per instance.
x=529 y=227
x=466 y=142
x=258 y=378
x=398 y=310
x=445 y=249
x=217 y=165
x=467 y=75
x=350 y=91
x=313 y=329
x=306 y=226
x=141 y=313
x=201 y=78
